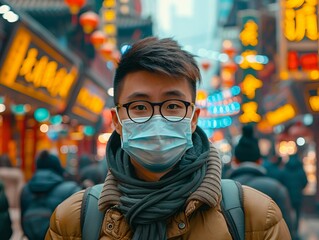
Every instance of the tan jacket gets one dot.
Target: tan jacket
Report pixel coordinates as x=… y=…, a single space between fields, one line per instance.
x=263 y=220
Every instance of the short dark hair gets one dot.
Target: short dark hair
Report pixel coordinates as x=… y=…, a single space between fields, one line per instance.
x=164 y=56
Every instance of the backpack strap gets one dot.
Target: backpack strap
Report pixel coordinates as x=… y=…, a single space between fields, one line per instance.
x=232 y=208
x=91 y=218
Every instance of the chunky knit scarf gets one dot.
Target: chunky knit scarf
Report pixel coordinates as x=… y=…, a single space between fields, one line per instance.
x=147 y=205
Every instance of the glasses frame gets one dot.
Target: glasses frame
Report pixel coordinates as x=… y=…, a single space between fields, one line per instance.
x=153 y=104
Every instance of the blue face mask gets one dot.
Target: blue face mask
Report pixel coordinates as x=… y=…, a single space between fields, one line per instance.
x=157 y=144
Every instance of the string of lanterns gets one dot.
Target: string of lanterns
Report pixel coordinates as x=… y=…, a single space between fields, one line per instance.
x=90 y=22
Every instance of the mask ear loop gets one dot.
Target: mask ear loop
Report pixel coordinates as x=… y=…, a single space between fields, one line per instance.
x=193 y=112
x=118 y=117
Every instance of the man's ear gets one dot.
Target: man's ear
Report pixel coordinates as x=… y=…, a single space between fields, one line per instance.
x=116 y=123
x=195 y=119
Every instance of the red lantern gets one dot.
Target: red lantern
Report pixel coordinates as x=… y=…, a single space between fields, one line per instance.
x=75 y=6
x=205 y=65
x=89 y=21
x=106 y=51
x=97 y=39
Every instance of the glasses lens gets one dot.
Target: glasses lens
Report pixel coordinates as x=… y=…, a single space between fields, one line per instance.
x=174 y=110
x=140 y=111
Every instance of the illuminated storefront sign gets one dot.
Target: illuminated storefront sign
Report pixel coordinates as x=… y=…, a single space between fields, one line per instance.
x=281 y=114
x=312 y=97
x=249 y=113
x=250 y=84
x=35 y=68
x=90 y=101
x=300 y=20
x=298 y=54
x=109 y=20
x=249 y=34
x=249 y=37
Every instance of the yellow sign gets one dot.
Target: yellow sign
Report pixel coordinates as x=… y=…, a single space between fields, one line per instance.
x=90 y=101
x=250 y=84
x=281 y=114
x=314 y=103
x=300 y=19
x=34 y=68
x=249 y=113
x=249 y=60
x=249 y=35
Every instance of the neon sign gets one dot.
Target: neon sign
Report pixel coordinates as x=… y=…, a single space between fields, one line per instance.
x=281 y=114
x=249 y=113
x=249 y=34
x=300 y=20
x=250 y=84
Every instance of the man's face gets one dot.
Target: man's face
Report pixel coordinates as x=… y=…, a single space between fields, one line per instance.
x=152 y=87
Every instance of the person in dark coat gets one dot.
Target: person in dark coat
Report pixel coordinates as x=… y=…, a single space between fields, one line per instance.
x=250 y=172
x=5 y=220
x=47 y=187
x=295 y=179
x=274 y=168
x=90 y=172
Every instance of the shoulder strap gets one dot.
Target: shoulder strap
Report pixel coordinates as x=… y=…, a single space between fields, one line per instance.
x=232 y=208
x=91 y=218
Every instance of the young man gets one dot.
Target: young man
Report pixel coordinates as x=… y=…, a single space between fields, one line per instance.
x=164 y=179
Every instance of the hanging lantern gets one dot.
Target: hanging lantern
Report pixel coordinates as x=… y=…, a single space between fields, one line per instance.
x=205 y=65
x=89 y=21
x=97 y=39
x=106 y=51
x=75 y=6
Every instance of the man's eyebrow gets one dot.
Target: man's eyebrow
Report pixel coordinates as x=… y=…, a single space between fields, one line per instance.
x=137 y=95
x=140 y=95
x=175 y=93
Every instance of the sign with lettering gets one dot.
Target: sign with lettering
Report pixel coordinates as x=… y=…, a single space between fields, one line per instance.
x=90 y=101
x=312 y=97
x=249 y=38
x=300 y=20
x=35 y=68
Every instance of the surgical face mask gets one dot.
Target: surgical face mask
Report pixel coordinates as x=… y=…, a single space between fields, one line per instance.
x=157 y=144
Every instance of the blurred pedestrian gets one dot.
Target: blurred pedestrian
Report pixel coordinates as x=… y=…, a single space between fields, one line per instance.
x=5 y=220
x=274 y=168
x=250 y=172
x=90 y=172
x=13 y=180
x=164 y=179
x=295 y=179
x=40 y=196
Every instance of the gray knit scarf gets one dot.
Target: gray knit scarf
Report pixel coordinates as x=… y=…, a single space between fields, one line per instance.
x=148 y=205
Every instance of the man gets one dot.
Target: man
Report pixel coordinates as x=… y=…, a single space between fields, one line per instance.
x=164 y=176
x=249 y=171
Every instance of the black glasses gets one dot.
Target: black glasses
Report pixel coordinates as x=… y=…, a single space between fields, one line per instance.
x=172 y=110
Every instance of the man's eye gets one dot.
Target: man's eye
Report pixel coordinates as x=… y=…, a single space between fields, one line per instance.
x=172 y=106
x=140 y=108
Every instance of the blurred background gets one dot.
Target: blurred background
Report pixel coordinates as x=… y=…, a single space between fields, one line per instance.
x=258 y=61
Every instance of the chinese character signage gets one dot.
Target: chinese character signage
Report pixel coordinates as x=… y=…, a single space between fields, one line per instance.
x=35 y=68
x=249 y=38
x=90 y=101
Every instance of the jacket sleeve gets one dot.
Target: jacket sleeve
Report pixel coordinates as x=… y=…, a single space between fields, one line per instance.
x=263 y=218
x=65 y=220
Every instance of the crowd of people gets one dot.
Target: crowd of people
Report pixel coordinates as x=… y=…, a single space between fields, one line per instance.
x=284 y=183
x=164 y=177
x=26 y=206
